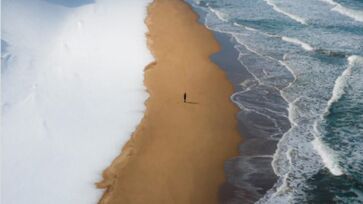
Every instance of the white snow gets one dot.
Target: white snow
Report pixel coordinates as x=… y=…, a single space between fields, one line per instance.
x=72 y=93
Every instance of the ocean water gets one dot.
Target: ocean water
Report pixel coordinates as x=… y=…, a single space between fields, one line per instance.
x=297 y=67
x=72 y=93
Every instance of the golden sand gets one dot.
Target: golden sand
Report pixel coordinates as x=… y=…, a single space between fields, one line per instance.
x=177 y=153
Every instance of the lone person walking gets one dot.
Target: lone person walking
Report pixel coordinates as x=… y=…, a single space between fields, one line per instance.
x=185 y=97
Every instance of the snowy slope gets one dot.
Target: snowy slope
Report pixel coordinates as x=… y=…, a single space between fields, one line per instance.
x=72 y=93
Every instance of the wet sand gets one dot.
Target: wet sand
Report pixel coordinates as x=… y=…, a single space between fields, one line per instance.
x=177 y=153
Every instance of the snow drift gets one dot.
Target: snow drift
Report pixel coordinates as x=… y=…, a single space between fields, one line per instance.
x=72 y=93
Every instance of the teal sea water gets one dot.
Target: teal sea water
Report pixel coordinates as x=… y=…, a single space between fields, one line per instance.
x=297 y=67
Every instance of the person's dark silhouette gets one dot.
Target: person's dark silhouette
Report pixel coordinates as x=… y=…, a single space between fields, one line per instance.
x=185 y=97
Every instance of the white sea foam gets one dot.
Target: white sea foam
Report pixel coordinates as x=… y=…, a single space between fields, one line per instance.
x=340 y=84
x=220 y=15
x=295 y=41
x=355 y=60
x=342 y=80
x=296 y=159
x=72 y=93
x=330 y=2
x=255 y=30
x=290 y=15
x=352 y=13
x=247 y=28
x=328 y=156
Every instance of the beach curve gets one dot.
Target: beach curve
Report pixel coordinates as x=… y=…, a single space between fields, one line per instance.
x=177 y=153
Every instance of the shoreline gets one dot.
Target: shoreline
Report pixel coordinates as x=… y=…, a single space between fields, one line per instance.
x=251 y=174
x=250 y=188
x=177 y=153
x=241 y=185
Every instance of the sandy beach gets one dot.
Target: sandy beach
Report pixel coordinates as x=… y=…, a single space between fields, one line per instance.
x=177 y=153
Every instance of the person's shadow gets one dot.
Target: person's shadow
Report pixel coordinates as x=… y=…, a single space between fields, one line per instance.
x=190 y=102
x=185 y=99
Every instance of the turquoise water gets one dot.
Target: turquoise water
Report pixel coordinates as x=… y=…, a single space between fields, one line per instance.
x=299 y=85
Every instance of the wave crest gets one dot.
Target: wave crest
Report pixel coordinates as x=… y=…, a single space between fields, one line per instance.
x=354 y=14
x=290 y=15
x=342 y=80
x=328 y=156
x=295 y=41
